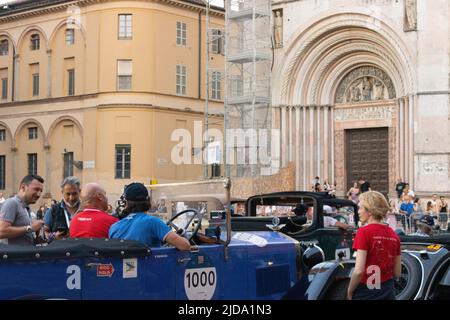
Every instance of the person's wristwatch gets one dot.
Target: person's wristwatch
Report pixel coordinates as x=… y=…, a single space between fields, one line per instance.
x=29 y=229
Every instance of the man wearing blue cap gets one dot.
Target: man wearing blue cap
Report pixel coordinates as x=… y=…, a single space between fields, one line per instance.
x=142 y=227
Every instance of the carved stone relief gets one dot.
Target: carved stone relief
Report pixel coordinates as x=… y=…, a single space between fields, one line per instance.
x=365 y=84
x=367 y=113
x=434 y=167
x=410 y=15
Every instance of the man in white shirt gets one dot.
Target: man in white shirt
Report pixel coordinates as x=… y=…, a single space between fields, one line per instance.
x=328 y=221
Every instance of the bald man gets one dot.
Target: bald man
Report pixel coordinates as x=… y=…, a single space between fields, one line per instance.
x=93 y=221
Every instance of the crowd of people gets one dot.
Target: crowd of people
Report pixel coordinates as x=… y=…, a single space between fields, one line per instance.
x=416 y=215
x=83 y=212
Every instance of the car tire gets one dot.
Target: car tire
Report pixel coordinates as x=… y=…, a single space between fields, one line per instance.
x=338 y=290
x=409 y=283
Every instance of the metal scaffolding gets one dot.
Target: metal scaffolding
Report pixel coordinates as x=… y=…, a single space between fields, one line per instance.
x=248 y=60
x=214 y=80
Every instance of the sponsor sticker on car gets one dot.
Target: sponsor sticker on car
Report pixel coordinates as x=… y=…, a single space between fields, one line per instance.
x=433 y=247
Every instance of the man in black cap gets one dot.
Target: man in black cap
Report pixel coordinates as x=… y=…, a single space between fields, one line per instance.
x=425 y=226
x=142 y=227
x=300 y=209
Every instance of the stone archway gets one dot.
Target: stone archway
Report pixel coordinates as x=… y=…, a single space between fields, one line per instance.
x=331 y=55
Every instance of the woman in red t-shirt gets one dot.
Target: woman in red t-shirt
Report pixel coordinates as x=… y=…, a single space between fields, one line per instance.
x=377 y=252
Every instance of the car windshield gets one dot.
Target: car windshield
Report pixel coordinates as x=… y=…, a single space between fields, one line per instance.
x=208 y=199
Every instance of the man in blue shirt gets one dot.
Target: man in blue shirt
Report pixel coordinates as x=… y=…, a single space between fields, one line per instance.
x=407 y=205
x=142 y=227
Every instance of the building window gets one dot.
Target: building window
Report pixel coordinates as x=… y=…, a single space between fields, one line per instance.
x=125 y=26
x=32 y=163
x=124 y=74
x=35 y=84
x=68 y=164
x=215 y=85
x=217 y=41
x=2 y=134
x=237 y=86
x=4 y=88
x=32 y=133
x=35 y=42
x=181 y=79
x=70 y=37
x=4 y=47
x=71 y=82
x=181 y=33
x=2 y=172
x=123 y=161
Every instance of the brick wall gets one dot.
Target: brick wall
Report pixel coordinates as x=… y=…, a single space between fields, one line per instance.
x=245 y=187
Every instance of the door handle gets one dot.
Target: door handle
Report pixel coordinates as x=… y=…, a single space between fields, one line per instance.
x=90 y=265
x=182 y=260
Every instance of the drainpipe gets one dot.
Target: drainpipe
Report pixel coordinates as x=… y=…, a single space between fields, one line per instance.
x=13 y=73
x=199 y=54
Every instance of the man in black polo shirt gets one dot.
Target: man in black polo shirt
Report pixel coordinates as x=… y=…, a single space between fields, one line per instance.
x=399 y=187
x=365 y=186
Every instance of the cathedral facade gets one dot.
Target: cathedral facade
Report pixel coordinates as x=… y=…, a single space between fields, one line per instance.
x=360 y=90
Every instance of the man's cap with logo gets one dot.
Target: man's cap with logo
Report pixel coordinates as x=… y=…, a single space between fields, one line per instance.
x=136 y=191
x=426 y=220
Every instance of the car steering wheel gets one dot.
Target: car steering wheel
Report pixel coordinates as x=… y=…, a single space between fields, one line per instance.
x=184 y=230
x=341 y=218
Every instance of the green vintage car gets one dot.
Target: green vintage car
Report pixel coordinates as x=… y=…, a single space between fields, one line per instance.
x=280 y=211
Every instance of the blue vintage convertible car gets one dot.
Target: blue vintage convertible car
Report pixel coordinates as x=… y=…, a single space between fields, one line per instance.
x=222 y=264
x=258 y=265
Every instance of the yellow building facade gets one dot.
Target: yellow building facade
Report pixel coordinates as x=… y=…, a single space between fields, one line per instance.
x=96 y=89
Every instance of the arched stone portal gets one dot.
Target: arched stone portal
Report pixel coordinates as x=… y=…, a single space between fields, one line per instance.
x=344 y=72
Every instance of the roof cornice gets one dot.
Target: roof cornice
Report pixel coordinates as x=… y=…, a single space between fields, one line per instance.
x=39 y=10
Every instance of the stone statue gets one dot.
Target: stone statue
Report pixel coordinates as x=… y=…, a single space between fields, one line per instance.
x=355 y=92
x=410 y=15
x=278 y=29
x=367 y=89
x=379 y=90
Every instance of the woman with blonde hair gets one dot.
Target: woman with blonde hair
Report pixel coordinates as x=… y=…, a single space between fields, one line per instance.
x=377 y=248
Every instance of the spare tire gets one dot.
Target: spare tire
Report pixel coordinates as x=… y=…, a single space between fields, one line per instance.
x=408 y=284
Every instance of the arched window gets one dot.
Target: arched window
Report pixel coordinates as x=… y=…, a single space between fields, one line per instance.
x=70 y=37
x=35 y=42
x=4 y=47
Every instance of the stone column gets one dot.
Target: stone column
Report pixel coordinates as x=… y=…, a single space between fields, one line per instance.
x=325 y=144
x=16 y=77
x=332 y=143
x=411 y=141
x=311 y=145
x=319 y=144
x=397 y=142
x=401 y=134
x=49 y=74
x=304 y=148
x=297 y=147
x=291 y=132
x=283 y=137
x=406 y=138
